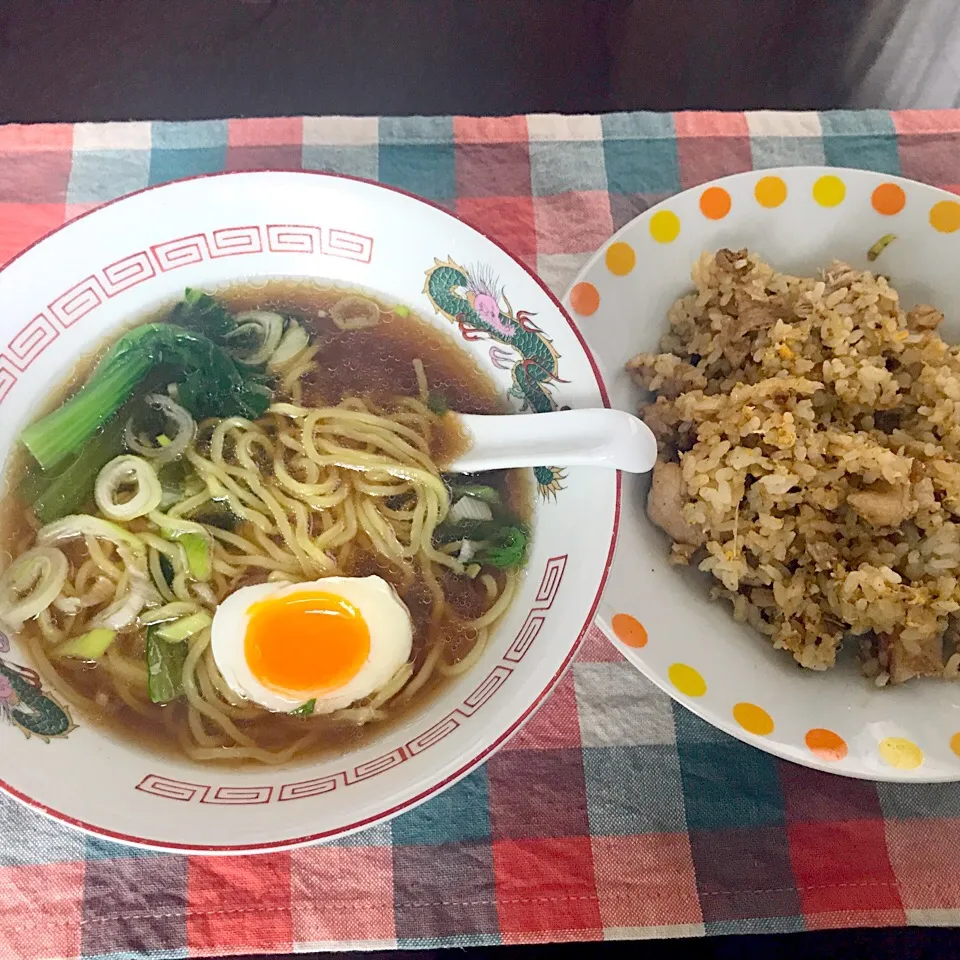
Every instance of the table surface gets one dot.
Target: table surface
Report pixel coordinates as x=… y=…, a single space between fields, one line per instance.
x=614 y=813
x=150 y=59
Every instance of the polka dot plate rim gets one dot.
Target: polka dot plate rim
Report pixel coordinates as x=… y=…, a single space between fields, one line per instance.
x=658 y=616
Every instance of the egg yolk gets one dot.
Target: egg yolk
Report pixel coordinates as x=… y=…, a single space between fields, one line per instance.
x=303 y=642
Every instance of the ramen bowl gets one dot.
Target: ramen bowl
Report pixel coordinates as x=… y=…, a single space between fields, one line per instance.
x=81 y=285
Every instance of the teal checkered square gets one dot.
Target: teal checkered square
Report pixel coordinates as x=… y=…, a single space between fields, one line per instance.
x=866 y=139
x=726 y=784
x=426 y=169
x=187 y=149
x=457 y=815
x=640 y=153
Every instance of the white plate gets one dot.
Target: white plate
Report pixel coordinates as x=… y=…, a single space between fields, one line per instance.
x=798 y=219
x=67 y=294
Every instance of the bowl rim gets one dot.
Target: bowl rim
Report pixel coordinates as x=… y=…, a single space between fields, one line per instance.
x=478 y=758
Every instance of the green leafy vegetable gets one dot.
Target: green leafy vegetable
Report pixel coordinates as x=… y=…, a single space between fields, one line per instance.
x=500 y=542
x=209 y=383
x=166 y=568
x=305 y=709
x=203 y=314
x=216 y=513
x=52 y=496
x=507 y=548
x=164 y=667
x=437 y=403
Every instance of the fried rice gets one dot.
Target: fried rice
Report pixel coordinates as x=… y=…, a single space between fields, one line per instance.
x=809 y=460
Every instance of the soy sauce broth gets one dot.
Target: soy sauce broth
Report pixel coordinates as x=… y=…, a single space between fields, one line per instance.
x=376 y=363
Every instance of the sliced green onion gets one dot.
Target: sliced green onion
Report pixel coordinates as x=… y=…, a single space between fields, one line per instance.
x=83 y=525
x=120 y=472
x=180 y=630
x=30 y=584
x=167 y=449
x=355 y=313
x=880 y=246
x=196 y=542
x=169 y=611
x=305 y=709
x=294 y=340
x=469 y=508
x=479 y=491
x=265 y=328
x=91 y=645
x=127 y=608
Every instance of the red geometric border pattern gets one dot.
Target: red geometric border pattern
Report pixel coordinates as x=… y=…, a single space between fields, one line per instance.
x=128 y=272
x=329 y=241
x=78 y=301
x=238 y=796
x=33 y=338
x=172 y=789
x=302 y=789
x=64 y=311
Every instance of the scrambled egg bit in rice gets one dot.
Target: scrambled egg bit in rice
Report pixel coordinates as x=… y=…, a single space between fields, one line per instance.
x=809 y=437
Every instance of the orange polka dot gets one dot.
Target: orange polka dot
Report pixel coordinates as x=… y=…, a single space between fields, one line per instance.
x=955 y=744
x=753 y=719
x=620 y=259
x=629 y=630
x=715 y=203
x=770 y=191
x=826 y=744
x=945 y=216
x=585 y=299
x=687 y=680
x=900 y=753
x=829 y=191
x=664 y=226
x=888 y=199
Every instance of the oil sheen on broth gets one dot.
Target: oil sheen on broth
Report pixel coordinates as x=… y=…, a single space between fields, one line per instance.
x=378 y=363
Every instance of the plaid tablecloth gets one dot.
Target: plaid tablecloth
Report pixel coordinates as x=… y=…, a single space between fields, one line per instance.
x=613 y=814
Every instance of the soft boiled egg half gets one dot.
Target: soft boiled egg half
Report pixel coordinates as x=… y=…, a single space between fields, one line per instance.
x=332 y=641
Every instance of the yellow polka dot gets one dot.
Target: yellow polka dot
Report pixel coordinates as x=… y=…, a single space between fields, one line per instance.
x=687 y=680
x=945 y=216
x=829 y=191
x=770 y=191
x=620 y=259
x=900 y=753
x=753 y=719
x=955 y=744
x=665 y=226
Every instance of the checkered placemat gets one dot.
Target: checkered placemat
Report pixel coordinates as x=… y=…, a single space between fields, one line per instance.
x=613 y=813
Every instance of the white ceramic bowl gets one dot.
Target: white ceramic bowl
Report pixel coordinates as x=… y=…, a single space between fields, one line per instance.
x=798 y=219
x=66 y=294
